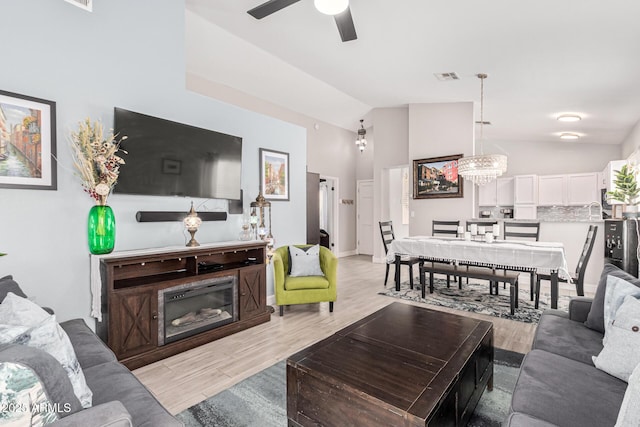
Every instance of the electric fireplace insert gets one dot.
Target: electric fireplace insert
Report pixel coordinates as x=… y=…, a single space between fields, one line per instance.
x=195 y=307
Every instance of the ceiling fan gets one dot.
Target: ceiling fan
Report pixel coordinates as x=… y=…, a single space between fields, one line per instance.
x=338 y=8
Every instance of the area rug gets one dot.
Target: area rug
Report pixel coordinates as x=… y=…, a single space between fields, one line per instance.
x=475 y=297
x=261 y=400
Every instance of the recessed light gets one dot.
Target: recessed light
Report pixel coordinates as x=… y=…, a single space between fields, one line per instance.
x=569 y=135
x=569 y=118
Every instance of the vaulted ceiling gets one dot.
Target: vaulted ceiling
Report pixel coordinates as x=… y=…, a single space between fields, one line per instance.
x=543 y=58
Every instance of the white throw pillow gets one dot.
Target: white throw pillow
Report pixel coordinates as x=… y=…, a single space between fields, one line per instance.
x=305 y=263
x=24 y=322
x=629 y=414
x=620 y=354
x=616 y=291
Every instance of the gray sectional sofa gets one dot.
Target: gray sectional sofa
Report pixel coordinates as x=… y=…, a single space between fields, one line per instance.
x=558 y=383
x=119 y=399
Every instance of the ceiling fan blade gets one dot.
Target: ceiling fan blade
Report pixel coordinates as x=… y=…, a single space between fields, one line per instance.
x=345 y=25
x=272 y=6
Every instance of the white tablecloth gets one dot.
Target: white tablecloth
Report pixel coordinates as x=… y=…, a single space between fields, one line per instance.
x=541 y=256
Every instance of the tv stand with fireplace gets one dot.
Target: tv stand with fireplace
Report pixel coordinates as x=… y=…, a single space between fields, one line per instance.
x=160 y=302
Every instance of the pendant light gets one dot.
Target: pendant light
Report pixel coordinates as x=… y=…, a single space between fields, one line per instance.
x=361 y=140
x=482 y=168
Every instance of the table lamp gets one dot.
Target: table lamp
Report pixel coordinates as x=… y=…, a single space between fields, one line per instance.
x=192 y=222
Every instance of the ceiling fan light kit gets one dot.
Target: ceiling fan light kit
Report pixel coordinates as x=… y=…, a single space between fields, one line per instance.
x=339 y=9
x=483 y=168
x=331 y=7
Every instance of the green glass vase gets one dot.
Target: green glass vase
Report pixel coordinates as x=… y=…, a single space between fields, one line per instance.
x=102 y=230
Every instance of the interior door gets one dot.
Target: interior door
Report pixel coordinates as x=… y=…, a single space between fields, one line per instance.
x=365 y=217
x=313 y=208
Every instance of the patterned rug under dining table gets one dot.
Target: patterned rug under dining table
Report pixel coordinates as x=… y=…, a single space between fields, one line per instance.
x=544 y=257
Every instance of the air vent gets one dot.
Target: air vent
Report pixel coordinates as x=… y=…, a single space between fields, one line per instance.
x=83 y=4
x=485 y=123
x=445 y=77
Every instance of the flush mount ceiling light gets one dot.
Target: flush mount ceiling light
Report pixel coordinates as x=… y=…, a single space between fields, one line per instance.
x=331 y=7
x=483 y=168
x=569 y=135
x=569 y=118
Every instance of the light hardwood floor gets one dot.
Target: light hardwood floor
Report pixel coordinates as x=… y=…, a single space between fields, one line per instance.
x=191 y=377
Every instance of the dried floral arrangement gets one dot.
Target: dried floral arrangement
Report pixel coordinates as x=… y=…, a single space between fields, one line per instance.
x=96 y=159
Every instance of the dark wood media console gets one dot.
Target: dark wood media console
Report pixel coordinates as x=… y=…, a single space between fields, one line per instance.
x=131 y=283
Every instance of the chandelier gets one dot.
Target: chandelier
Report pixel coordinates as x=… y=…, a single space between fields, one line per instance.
x=482 y=168
x=361 y=141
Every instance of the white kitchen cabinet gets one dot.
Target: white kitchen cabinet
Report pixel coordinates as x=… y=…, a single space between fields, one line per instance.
x=488 y=194
x=552 y=190
x=496 y=193
x=505 y=191
x=582 y=189
x=526 y=190
x=525 y=212
x=577 y=189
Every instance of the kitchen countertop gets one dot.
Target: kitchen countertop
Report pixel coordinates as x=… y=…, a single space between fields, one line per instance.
x=595 y=221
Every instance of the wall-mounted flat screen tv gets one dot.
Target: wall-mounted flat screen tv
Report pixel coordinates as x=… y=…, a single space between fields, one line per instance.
x=166 y=158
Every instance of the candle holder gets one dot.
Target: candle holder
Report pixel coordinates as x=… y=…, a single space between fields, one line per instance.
x=259 y=220
x=246 y=233
x=253 y=221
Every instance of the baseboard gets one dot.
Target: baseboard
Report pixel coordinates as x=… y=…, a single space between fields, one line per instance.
x=271 y=300
x=347 y=253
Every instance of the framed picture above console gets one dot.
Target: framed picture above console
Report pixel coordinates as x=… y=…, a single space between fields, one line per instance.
x=27 y=142
x=274 y=174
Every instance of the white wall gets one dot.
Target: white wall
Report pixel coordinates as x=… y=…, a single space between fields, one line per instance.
x=395 y=203
x=548 y=158
x=631 y=143
x=88 y=63
x=331 y=150
x=364 y=160
x=391 y=130
x=440 y=130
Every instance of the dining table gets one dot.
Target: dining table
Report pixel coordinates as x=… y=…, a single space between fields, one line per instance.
x=517 y=255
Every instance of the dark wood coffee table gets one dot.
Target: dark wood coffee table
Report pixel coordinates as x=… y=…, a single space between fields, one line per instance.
x=401 y=366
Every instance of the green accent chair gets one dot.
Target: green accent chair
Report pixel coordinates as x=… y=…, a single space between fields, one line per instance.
x=305 y=290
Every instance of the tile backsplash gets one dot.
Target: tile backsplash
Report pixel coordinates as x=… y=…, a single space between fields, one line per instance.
x=552 y=213
x=568 y=213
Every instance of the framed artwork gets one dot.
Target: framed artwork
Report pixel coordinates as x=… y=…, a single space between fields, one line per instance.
x=27 y=142
x=274 y=174
x=437 y=177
